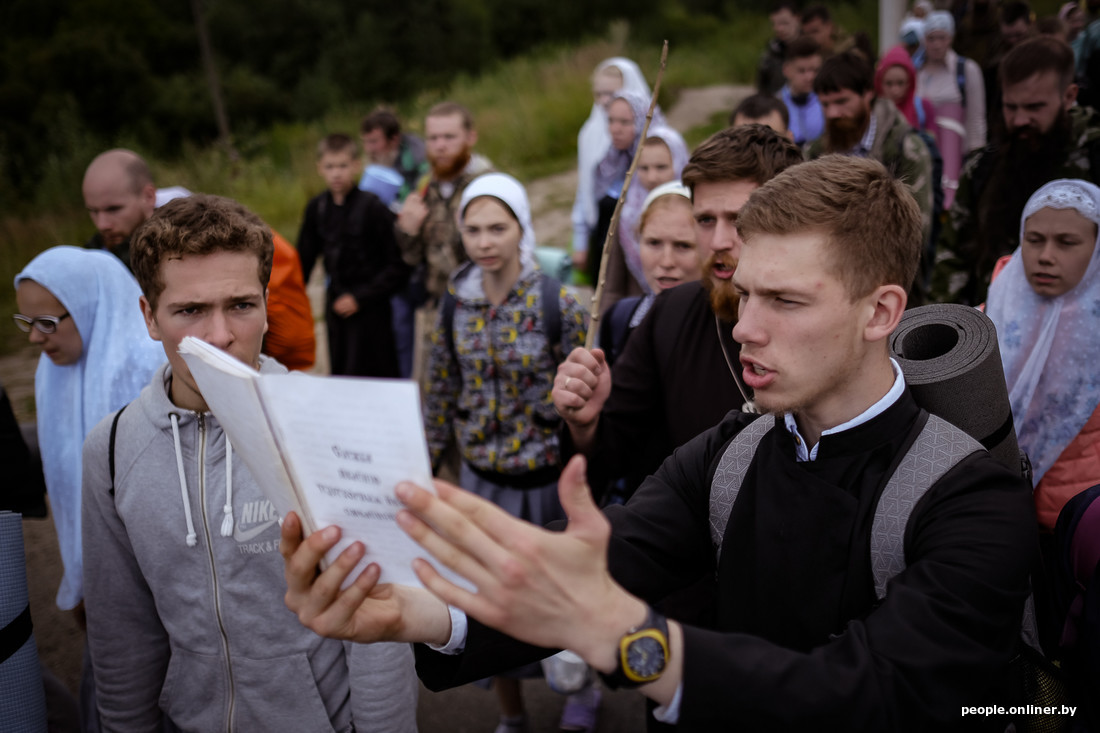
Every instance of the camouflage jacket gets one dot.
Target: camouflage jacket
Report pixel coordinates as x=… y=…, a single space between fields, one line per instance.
x=898 y=147
x=961 y=274
x=438 y=246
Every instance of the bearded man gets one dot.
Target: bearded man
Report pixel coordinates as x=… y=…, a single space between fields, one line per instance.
x=857 y=123
x=678 y=372
x=426 y=226
x=1045 y=137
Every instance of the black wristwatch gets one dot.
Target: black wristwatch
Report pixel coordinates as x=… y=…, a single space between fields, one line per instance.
x=643 y=654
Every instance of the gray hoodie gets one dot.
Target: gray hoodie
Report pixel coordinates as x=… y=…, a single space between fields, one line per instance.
x=184 y=593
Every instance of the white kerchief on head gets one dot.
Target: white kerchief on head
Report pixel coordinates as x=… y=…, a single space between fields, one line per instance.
x=511 y=192
x=912 y=31
x=118 y=359
x=594 y=138
x=1048 y=345
x=616 y=162
x=939 y=20
x=672 y=188
x=634 y=204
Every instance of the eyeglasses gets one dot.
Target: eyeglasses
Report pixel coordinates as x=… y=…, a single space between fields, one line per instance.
x=45 y=324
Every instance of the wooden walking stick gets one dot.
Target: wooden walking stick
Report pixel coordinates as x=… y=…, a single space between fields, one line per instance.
x=613 y=227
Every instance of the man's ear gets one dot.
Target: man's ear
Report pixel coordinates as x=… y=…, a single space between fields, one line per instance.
x=887 y=304
x=266 y=290
x=1069 y=96
x=148 y=199
x=471 y=137
x=150 y=318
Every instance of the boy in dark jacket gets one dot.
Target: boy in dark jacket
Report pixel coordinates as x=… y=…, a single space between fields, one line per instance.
x=353 y=230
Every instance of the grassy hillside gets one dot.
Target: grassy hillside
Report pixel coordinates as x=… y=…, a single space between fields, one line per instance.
x=528 y=113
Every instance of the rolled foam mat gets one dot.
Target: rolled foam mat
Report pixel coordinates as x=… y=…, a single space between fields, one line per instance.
x=951 y=362
x=22 y=695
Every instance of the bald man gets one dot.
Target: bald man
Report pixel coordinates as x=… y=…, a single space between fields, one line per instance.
x=119 y=195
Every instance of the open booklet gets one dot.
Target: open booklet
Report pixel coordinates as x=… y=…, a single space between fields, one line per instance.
x=330 y=448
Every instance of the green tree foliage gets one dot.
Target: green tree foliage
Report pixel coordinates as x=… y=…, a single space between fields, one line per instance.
x=76 y=75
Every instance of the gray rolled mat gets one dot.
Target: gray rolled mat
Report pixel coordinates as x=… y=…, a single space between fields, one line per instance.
x=22 y=695
x=949 y=356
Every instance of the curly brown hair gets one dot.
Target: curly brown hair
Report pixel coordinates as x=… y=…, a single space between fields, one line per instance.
x=200 y=224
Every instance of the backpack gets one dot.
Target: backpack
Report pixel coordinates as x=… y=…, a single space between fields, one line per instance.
x=618 y=327
x=550 y=288
x=960 y=74
x=938 y=447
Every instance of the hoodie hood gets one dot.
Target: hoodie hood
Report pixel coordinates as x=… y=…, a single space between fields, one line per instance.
x=898 y=56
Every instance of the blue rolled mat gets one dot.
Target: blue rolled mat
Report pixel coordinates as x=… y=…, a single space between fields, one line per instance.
x=22 y=695
x=951 y=362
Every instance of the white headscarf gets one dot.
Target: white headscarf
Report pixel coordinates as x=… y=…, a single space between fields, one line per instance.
x=1048 y=345
x=939 y=20
x=118 y=359
x=594 y=138
x=672 y=188
x=635 y=202
x=511 y=193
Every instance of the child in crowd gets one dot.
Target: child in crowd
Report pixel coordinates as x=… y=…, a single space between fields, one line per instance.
x=353 y=230
x=662 y=159
x=502 y=330
x=80 y=307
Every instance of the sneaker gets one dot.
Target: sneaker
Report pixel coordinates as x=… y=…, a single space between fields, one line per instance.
x=580 y=710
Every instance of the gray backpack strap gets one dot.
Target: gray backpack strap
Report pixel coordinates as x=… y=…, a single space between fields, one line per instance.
x=937 y=449
x=729 y=475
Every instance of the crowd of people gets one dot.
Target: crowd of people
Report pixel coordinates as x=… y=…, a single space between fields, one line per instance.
x=703 y=506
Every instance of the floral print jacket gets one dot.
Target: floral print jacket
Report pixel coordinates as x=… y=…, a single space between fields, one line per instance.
x=492 y=389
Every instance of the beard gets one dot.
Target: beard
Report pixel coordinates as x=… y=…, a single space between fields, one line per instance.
x=723 y=298
x=446 y=169
x=844 y=133
x=1026 y=160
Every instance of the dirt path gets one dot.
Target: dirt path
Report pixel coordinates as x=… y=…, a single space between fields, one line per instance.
x=59 y=639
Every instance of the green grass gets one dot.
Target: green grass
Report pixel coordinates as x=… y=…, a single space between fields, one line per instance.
x=528 y=112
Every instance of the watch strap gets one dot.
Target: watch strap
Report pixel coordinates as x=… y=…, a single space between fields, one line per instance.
x=655 y=627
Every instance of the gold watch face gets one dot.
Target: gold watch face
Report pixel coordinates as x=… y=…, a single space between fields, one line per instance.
x=644 y=655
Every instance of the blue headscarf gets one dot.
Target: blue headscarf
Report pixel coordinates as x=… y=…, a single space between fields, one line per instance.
x=117 y=360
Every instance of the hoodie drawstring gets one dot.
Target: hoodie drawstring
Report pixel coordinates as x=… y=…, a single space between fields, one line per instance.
x=227 y=510
x=192 y=538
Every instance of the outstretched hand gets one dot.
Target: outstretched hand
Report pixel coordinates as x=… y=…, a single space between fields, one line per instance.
x=546 y=588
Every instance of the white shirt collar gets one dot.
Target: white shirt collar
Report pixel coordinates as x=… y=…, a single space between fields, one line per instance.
x=802 y=453
x=863 y=150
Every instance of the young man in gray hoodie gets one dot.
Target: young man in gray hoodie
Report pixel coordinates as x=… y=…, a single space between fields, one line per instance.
x=183 y=579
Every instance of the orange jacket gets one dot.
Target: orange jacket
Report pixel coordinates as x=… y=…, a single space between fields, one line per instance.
x=290 y=337
x=1077 y=468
